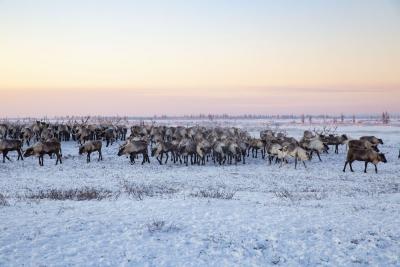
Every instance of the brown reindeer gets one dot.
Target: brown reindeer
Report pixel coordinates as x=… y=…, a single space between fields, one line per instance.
x=26 y=135
x=134 y=148
x=255 y=145
x=162 y=148
x=109 y=135
x=372 y=139
x=41 y=148
x=362 y=144
x=366 y=155
x=90 y=147
x=335 y=140
x=8 y=145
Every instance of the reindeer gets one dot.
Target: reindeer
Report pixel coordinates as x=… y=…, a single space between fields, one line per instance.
x=90 y=147
x=366 y=155
x=121 y=132
x=63 y=132
x=133 y=148
x=83 y=134
x=109 y=136
x=362 y=144
x=37 y=129
x=186 y=148
x=314 y=145
x=255 y=145
x=41 y=148
x=26 y=135
x=335 y=140
x=160 y=148
x=244 y=146
x=372 y=139
x=274 y=150
x=233 y=151
x=297 y=152
x=3 y=131
x=203 y=149
x=7 y=145
x=308 y=135
x=219 y=149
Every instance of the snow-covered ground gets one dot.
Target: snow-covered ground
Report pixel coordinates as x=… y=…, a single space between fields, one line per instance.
x=277 y=216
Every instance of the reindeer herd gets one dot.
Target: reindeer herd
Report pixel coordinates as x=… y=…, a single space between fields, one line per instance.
x=181 y=145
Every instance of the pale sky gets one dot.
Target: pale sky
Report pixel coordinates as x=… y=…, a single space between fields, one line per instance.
x=188 y=57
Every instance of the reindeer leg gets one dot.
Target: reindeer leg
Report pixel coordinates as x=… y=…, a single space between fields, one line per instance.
x=304 y=164
x=5 y=156
x=366 y=164
x=351 y=166
x=132 y=158
x=319 y=156
x=345 y=165
x=20 y=154
x=295 y=162
x=8 y=157
x=100 y=155
x=376 y=169
x=166 y=155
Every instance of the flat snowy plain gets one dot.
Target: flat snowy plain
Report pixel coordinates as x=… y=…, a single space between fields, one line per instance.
x=277 y=216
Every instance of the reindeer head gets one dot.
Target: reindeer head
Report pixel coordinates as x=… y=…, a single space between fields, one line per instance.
x=81 y=150
x=382 y=157
x=28 y=152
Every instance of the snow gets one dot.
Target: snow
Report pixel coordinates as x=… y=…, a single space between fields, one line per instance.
x=277 y=216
